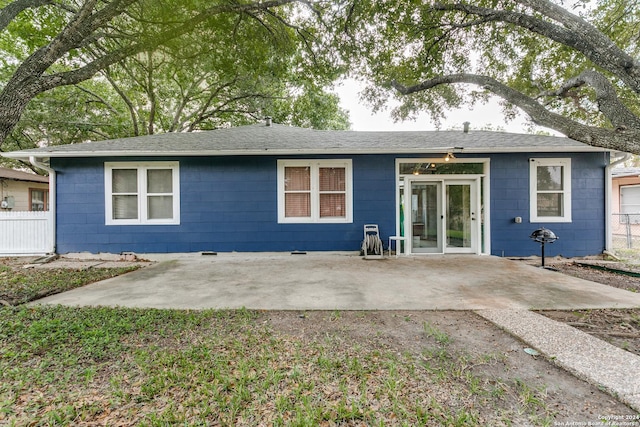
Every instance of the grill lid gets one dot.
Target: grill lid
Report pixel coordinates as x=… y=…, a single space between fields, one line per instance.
x=543 y=235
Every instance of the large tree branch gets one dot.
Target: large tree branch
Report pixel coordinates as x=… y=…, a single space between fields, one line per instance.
x=130 y=107
x=13 y=9
x=222 y=108
x=574 y=32
x=86 y=72
x=197 y=116
x=589 y=36
x=70 y=37
x=616 y=139
x=29 y=79
x=608 y=102
x=185 y=98
x=83 y=23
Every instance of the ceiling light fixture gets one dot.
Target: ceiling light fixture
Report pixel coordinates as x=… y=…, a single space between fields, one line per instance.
x=449 y=156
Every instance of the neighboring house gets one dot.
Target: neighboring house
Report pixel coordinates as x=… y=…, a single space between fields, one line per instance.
x=625 y=207
x=280 y=188
x=23 y=191
x=625 y=192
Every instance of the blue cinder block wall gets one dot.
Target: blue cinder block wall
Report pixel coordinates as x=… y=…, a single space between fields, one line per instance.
x=230 y=204
x=584 y=235
x=227 y=204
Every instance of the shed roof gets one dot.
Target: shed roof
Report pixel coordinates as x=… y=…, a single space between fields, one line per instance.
x=15 y=175
x=260 y=139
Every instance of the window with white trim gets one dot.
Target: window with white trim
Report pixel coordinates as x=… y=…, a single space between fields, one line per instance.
x=550 y=187
x=142 y=193
x=311 y=191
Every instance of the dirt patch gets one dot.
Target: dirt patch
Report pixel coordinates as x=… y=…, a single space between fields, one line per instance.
x=602 y=272
x=619 y=327
x=496 y=359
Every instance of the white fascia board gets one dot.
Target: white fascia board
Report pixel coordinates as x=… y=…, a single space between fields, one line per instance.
x=23 y=155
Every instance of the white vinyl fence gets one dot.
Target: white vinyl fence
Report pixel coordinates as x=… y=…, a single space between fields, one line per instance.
x=25 y=233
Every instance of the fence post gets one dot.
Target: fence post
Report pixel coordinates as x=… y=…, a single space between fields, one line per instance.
x=628 y=231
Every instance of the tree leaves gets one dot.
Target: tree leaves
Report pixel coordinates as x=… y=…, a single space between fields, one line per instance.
x=530 y=47
x=175 y=66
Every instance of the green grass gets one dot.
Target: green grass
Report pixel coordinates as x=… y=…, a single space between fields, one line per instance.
x=18 y=285
x=67 y=366
x=433 y=332
x=63 y=366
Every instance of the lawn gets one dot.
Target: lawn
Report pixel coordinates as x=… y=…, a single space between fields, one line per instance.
x=72 y=366
x=69 y=366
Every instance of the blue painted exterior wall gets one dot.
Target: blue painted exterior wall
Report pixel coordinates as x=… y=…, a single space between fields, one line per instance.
x=227 y=204
x=230 y=204
x=584 y=235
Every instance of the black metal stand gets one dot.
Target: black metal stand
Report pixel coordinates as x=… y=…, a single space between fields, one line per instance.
x=542 y=236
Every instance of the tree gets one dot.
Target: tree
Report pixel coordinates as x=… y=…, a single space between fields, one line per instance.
x=575 y=71
x=196 y=86
x=310 y=107
x=87 y=111
x=67 y=42
x=230 y=72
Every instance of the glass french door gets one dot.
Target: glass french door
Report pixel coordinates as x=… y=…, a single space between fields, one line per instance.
x=425 y=216
x=460 y=217
x=443 y=216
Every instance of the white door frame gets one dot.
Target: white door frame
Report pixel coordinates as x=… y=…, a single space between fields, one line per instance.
x=444 y=180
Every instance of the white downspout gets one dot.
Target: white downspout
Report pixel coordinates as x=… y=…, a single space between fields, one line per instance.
x=608 y=185
x=52 y=201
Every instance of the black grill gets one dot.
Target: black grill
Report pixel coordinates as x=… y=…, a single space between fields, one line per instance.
x=543 y=236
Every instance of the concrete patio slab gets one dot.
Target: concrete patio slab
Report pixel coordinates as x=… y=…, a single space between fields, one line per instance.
x=344 y=281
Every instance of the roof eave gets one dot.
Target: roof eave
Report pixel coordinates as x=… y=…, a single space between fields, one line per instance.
x=21 y=155
x=629 y=175
x=37 y=181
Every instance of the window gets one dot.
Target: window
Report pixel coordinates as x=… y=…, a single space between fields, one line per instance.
x=314 y=191
x=629 y=204
x=38 y=199
x=550 y=185
x=142 y=193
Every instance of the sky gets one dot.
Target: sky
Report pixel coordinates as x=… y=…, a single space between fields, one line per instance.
x=483 y=115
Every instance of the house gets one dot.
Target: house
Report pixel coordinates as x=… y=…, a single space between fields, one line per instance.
x=625 y=191
x=625 y=207
x=23 y=191
x=270 y=187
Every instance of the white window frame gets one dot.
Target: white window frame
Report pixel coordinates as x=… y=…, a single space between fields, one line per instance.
x=315 y=166
x=141 y=168
x=533 y=188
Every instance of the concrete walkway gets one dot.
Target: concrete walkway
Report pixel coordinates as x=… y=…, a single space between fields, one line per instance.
x=608 y=367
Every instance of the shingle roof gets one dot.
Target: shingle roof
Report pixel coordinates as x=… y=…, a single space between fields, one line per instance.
x=21 y=176
x=281 y=139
